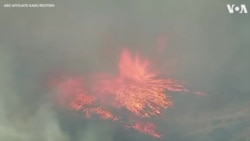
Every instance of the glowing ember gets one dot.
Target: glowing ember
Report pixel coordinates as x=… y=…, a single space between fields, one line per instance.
x=134 y=89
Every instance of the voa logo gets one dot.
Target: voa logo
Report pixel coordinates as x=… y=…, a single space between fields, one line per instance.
x=233 y=8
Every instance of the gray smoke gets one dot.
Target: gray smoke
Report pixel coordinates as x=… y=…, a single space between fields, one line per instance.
x=209 y=46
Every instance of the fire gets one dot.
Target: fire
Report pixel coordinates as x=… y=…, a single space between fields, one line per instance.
x=148 y=128
x=133 y=69
x=134 y=89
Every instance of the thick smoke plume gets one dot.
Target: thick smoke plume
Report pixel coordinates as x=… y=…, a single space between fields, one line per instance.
x=196 y=41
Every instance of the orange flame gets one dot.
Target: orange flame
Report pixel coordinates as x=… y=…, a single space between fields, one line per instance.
x=148 y=128
x=134 y=89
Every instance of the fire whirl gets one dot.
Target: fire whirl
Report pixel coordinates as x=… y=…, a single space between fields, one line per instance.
x=134 y=90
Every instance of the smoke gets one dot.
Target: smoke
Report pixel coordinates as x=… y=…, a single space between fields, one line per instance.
x=206 y=46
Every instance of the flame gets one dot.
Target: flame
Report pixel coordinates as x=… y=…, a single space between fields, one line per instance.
x=148 y=128
x=134 y=89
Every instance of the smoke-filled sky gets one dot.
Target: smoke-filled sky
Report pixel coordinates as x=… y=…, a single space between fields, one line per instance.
x=205 y=46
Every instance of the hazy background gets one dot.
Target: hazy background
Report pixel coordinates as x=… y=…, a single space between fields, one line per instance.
x=206 y=46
